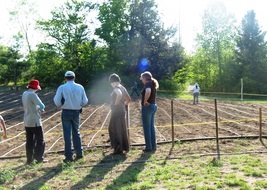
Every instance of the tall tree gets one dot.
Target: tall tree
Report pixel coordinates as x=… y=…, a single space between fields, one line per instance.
x=114 y=26
x=24 y=15
x=216 y=42
x=251 y=54
x=134 y=33
x=70 y=33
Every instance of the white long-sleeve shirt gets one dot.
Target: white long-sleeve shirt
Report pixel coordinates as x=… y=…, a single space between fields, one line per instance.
x=73 y=94
x=31 y=106
x=196 y=89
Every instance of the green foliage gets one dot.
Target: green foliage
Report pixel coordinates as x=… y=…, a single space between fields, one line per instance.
x=133 y=31
x=11 y=65
x=6 y=176
x=216 y=47
x=47 y=66
x=72 y=50
x=251 y=54
x=169 y=85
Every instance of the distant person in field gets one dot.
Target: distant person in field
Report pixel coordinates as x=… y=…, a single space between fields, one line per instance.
x=149 y=108
x=135 y=89
x=196 y=93
x=3 y=128
x=71 y=97
x=119 y=99
x=33 y=107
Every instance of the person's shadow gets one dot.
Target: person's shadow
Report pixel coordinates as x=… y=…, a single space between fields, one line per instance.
x=131 y=172
x=38 y=183
x=99 y=171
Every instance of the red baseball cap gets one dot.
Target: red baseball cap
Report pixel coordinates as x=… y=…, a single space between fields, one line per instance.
x=34 y=84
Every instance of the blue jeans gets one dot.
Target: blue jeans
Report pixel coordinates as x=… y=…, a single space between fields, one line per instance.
x=70 y=123
x=196 y=95
x=148 y=115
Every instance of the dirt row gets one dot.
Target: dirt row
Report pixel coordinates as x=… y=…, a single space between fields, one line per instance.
x=190 y=121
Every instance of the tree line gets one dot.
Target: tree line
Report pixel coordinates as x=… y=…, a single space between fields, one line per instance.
x=128 y=37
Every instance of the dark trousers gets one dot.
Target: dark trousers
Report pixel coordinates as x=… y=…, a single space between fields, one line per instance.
x=35 y=144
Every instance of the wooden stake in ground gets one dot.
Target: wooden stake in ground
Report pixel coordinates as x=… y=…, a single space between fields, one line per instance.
x=217 y=129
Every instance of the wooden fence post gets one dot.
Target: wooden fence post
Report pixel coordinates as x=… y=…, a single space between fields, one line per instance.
x=172 y=123
x=260 y=120
x=128 y=121
x=217 y=129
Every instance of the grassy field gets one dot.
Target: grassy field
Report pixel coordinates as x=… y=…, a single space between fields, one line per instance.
x=188 y=165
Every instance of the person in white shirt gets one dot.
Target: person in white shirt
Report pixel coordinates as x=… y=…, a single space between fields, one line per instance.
x=33 y=106
x=196 y=93
x=71 y=97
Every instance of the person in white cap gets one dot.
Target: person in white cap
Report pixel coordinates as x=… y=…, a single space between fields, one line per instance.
x=71 y=97
x=33 y=106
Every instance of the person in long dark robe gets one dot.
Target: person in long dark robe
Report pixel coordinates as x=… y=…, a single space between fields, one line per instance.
x=119 y=100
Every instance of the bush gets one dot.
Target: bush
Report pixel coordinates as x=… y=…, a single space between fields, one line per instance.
x=169 y=85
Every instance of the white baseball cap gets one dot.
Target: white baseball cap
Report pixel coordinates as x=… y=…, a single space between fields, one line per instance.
x=69 y=74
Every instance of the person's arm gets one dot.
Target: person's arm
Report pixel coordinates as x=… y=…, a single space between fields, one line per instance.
x=84 y=98
x=42 y=106
x=58 y=97
x=38 y=102
x=118 y=97
x=147 y=95
x=3 y=126
x=127 y=98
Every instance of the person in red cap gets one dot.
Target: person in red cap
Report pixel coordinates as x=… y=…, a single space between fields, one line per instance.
x=33 y=106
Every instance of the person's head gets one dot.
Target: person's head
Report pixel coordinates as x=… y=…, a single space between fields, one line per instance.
x=147 y=77
x=196 y=85
x=34 y=85
x=114 y=79
x=69 y=75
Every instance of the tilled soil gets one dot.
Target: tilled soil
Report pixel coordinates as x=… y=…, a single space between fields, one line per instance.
x=235 y=119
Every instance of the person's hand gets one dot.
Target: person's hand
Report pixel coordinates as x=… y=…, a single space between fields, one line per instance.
x=146 y=104
x=4 y=136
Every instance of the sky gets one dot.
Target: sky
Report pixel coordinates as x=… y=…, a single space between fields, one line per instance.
x=184 y=13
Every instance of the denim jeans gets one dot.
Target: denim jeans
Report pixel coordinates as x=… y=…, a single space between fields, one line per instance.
x=196 y=95
x=70 y=123
x=35 y=144
x=148 y=115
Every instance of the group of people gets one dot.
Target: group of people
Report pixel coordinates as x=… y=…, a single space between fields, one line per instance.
x=119 y=101
x=71 y=98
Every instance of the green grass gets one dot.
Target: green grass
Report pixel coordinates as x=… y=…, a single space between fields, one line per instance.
x=167 y=168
